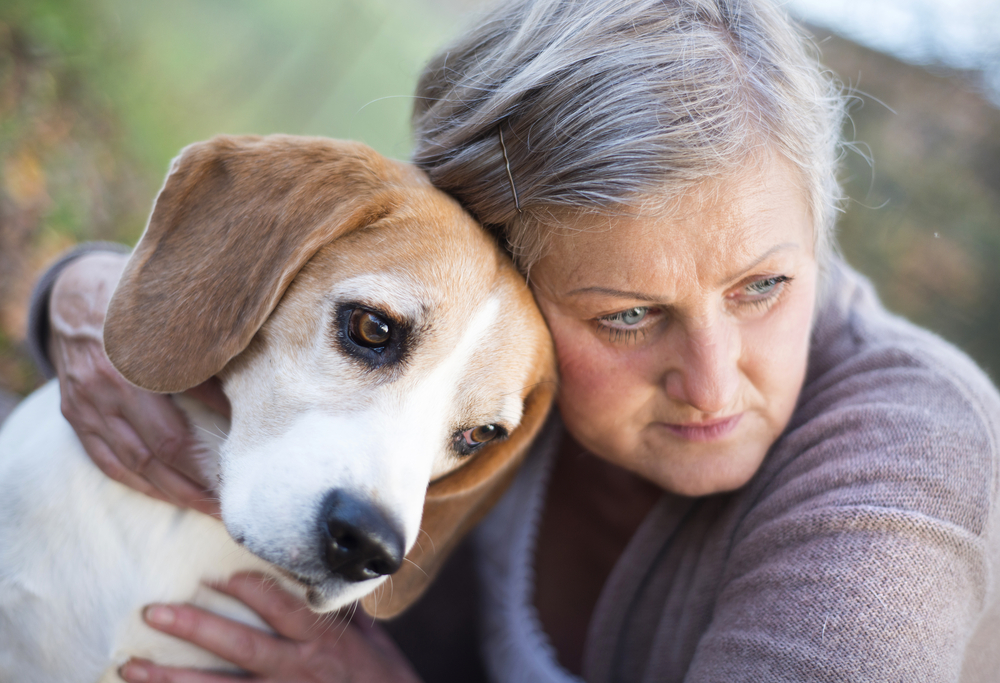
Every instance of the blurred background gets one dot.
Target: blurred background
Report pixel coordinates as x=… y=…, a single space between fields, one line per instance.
x=96 y=97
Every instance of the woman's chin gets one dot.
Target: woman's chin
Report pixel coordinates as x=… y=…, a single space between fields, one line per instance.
x=702 y=469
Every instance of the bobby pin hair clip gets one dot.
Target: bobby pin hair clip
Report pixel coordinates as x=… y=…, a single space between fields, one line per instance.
x=510 y=176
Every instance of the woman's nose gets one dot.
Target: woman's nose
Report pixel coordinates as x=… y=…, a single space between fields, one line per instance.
x=708 y=375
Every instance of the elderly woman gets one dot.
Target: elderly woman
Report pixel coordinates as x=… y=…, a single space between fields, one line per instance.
x=756 y=473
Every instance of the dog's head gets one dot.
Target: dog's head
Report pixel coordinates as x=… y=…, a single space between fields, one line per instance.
x=386 y=365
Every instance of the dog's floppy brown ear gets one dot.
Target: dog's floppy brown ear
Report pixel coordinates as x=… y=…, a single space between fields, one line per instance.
x=235 y=221
x=456 y=502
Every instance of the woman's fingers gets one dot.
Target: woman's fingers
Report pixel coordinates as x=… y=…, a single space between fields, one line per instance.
x=286 y=613
x=118 y=450
x=310 y=651
x=181 y=490
x=142 y=671
x=108 y=462
x=246 y=647
x=136 y=437
x=144 y=472
x=163 y=432
x=133 y=435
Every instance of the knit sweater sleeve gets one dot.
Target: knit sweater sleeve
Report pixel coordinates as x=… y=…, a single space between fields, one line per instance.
x=38 y=309
x=866 y=552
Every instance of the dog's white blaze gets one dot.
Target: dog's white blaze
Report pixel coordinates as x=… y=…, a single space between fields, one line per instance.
x=429 y=410
x=385 y=453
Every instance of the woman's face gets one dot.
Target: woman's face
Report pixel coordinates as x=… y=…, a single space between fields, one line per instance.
x=682 y=340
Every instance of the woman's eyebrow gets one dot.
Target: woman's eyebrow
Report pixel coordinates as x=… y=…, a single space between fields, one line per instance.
x=619 y=293
x=760 y=259
x=624 y=294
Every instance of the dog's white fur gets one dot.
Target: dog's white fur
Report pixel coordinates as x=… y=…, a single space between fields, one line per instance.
x=75 y=564
x=81 y=554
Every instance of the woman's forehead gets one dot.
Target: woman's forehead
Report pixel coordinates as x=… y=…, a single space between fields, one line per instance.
x=718 y=228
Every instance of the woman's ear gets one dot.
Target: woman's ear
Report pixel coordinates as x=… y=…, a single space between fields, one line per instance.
x=236 y=220
x=456 y=502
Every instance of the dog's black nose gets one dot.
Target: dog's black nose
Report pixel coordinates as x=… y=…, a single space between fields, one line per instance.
x=359 y=543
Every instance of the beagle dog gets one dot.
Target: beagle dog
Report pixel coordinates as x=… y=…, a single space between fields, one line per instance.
x=387 y=370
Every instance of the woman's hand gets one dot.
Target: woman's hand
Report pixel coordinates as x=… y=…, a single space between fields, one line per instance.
x=308 y=648
x=136 y=437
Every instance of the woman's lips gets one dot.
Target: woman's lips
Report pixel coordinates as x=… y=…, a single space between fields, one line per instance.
x=710 y=430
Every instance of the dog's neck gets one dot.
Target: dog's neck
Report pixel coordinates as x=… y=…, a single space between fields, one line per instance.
x=210 y=430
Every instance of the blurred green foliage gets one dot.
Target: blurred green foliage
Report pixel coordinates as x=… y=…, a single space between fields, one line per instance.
x=96 y=96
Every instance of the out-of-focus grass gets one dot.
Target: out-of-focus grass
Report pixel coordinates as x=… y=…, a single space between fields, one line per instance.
x=66 y=172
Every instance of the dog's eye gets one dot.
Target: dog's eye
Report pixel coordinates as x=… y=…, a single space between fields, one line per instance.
x=480 y=435
x=374 y=338
x=367 y=329
x=471 y=439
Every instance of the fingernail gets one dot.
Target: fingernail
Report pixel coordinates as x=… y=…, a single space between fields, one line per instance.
x=159 y=615
x=134 y=673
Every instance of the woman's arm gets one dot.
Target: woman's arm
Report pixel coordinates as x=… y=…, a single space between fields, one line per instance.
x=136 y=437
x=869 y=556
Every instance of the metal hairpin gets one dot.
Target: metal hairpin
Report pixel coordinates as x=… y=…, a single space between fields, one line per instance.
x=510 y=176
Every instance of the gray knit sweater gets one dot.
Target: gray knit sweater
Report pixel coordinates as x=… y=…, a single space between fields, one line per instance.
x=867 y=547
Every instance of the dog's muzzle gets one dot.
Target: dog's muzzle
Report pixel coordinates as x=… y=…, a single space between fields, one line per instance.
x=359 y=543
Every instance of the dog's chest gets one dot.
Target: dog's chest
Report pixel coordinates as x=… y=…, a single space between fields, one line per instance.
x=75 y=573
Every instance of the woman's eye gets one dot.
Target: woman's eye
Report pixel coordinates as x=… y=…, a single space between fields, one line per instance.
x=628 y=325
x=367 y=329
x=766 y=286
x=761 y=294
x=632 y=316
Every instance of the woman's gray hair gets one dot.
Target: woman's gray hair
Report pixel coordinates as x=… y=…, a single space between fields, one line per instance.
x=607 y=104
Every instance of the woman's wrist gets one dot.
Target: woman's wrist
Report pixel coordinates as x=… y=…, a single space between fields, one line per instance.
x=81 y=293
x=38 y=310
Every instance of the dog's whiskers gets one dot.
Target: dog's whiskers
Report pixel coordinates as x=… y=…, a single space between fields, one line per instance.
x=331 y=620
x=429 y=538
x=527 y=387
x=347 y=621
x=217 y=432
x=406 y=559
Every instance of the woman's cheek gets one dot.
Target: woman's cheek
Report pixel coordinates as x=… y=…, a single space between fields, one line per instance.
x=599 y=386
x=779 y=345
x=581 y=374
